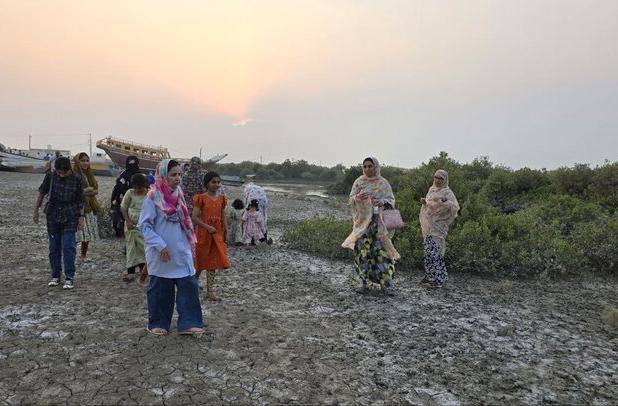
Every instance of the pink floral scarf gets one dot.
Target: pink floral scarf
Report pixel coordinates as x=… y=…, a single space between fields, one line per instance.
x=171 y=202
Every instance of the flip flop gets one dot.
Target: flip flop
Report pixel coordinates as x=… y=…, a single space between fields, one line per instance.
x=194 y=331
x=158 y=331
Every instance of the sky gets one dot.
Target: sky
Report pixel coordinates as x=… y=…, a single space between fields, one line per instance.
x=528 y=83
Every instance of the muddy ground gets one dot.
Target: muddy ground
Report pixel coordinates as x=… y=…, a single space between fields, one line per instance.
x=291 y=329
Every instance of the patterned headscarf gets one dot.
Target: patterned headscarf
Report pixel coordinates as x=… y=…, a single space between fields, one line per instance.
x=376 y=165
x=193 y=180
x=171 y=202
x=376 y=186
x=439 y=211
x=444 y=175
x=91 y=202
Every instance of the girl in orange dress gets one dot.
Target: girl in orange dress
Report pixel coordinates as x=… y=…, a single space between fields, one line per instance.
x=209 y=219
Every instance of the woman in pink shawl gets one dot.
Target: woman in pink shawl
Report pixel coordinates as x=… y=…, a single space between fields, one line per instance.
x=170 y=243
x=374 y=253
x=438 y=211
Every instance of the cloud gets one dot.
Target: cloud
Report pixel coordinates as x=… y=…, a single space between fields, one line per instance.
x=243 y=122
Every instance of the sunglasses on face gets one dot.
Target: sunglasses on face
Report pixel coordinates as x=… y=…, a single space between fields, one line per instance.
x=437 y=177
x=367 y=166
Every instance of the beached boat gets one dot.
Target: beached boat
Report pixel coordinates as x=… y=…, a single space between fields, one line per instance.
x=36 y=160
x=17 y=160
x=103 y=166
x=118 y=150
x=149 y=156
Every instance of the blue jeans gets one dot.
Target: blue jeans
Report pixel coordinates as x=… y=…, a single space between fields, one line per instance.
x=161 y=294
x=61 y=247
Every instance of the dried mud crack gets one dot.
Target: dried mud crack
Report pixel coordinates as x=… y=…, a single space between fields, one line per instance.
x=290 y=329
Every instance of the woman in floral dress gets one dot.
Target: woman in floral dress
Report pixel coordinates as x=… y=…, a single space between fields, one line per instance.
x=374 y=253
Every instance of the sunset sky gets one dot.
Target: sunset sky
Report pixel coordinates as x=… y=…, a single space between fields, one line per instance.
x=527 y=82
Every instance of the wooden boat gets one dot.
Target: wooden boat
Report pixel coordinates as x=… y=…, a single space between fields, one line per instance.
x=149 y=156
x=118 y=150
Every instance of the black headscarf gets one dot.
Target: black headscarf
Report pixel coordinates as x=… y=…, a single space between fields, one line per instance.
x=123 y=181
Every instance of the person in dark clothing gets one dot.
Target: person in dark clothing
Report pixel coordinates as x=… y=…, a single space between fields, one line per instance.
x=123 y=183
x=64 y=212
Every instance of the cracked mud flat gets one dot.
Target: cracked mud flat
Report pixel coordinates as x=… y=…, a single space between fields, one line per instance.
x=290 y=329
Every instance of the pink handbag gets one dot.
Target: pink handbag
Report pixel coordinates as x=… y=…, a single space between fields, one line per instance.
x=392 y=219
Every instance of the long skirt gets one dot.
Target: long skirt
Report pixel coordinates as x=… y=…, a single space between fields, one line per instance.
x=91 y=229
x=435 y=268
x=135 y=248
x=371 y=260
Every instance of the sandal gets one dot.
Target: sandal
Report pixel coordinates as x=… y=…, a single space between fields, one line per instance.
x=143 y=278
x=158 y=331
x=434 y=285
x=196 y=331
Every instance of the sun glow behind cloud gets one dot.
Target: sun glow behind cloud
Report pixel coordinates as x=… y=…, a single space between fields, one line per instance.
x=216 y=58
x=421 y=74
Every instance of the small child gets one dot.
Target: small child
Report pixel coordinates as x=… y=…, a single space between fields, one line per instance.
x=209 y=218
x=234 y=223
x=131 y=208
x=253 y=223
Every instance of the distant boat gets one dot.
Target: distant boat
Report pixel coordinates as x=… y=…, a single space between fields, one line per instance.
x=36 y=160
x=21 y=163
x=103 y=166
x=149 y=156
x=27 y=161
x=232 y=180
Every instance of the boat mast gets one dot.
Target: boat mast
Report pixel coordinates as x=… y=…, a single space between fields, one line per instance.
x=90 y=143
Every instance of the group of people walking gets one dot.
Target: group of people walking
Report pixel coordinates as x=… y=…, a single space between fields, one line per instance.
x=177 y=227
x=375 y=256
x=171 y=236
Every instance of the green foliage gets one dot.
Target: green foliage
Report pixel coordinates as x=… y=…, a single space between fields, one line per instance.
x=564 y=213
x=288 y=169
x=605 y=186
x=597 y=245
x=515 y=222
x=574 y=181
x=322 y=236
x=510 y=191
x=344 y=183
x=516 y=244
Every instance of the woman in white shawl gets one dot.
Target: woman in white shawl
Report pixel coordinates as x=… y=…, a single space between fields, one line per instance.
x=438 y=211
x=374 y=253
